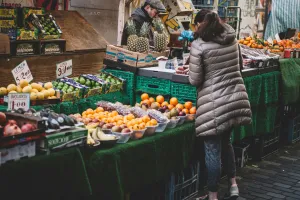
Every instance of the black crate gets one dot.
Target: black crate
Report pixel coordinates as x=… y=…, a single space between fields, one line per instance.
x=25 y=47
x=56 y=46
x=110 y=64
x=184 y=185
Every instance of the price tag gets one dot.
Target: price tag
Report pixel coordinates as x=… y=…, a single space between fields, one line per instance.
x=64 y=69
x=18 y=100
x=22 y=72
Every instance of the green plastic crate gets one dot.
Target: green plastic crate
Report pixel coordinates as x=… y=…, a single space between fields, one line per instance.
x=183 y=90
x=254 y=87
x=270 y=87
x=153 y=85
x=182 y=100
x=128 y=76
x=69 y=108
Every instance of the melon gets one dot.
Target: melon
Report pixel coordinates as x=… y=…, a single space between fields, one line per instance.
x=11 y=87
x=46 y=94
x=19 y=89
x=33 y=96
x=48 y=85
x=51 y=92
x=27 y=89
x=23 y=83
x=3 y=91
x=34 y=90
x=12 y=92
x=40 y=96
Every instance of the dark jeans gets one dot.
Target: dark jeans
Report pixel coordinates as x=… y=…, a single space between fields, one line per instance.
x=217 y=147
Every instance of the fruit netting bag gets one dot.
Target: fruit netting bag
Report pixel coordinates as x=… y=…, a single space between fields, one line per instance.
x=290 y=72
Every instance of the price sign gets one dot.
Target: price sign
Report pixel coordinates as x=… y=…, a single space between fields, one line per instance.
x=22 y=72
x=18 y=100
x=64 y=69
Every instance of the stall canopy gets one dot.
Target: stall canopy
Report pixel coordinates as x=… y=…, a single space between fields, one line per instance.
x=284 y=14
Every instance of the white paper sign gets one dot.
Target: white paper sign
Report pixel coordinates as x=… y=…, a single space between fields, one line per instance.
x=64 y=69
x=18 y=100
x=22 y=72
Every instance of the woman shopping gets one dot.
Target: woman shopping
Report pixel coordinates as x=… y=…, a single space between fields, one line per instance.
x=222 y=100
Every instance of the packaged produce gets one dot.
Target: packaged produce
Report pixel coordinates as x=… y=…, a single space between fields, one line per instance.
x=23 y=34
x=95 y=85
x=8 y=12
x=113 y=83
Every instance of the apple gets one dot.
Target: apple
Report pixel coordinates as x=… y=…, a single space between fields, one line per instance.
x=182 y=114
x=126 y=130
x=123 y=126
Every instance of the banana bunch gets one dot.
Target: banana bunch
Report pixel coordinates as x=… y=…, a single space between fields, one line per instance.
x=97 y=134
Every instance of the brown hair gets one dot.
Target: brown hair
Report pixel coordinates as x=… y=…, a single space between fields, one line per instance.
x=210 y=27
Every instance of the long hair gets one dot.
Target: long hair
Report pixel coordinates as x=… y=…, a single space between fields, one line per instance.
x=210 y=27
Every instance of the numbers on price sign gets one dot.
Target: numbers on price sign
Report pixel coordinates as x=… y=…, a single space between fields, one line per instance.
x=64 y=69
x=22 y=71
x=16 y=101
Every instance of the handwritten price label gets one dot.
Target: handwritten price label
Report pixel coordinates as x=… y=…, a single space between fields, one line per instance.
x=22 y=72
x=18 y=100
x=64 y=69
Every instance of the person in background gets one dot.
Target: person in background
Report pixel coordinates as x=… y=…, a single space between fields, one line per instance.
x=222 y=100
x=146 y=13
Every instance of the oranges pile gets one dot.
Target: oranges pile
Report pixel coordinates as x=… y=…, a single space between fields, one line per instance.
x=187 y=107
x=113 y=117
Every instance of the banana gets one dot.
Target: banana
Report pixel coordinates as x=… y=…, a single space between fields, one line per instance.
x=90 y=140
x=94 y=135
x=92 y=125
x=90 y=131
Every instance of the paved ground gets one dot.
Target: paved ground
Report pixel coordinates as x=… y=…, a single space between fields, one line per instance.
x=277 y=177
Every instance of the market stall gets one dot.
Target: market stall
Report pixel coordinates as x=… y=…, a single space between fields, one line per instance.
x=96 y=133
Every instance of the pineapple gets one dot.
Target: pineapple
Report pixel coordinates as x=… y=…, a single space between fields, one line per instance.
x=143 y=41
x=132 y=39
x=160 y=39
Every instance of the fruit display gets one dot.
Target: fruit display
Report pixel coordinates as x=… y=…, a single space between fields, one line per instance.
x=19 y=122
x=23 y=34
x=46 y=24
x=94 y=84
x=37 y=91
x=160 y=39
x=170 y=109
x=142 y=44
x=274 y=46
x=114 y=83
x=70 y=89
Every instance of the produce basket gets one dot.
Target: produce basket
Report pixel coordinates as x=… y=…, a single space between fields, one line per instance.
x=114 y=83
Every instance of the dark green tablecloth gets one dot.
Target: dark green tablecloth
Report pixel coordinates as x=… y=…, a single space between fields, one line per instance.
x=127 y=167
x=60 y=175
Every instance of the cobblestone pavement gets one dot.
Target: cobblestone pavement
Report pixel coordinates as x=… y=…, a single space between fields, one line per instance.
x=276 y=177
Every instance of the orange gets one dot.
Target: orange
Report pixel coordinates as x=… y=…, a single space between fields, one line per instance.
x=173 y=101
x=153 y=122
x=246 y=42
x=186 y=111
x=248 y=38
x=165 y=103
x=84 y=113
x=142 y=125
x=148 y=124
x=260 y=46
x=266 y=43
x=179 y=106
x=252 y=41
x=170 y=107
x=89 y=111
x=188 y=105
x=160 y=99
x=146 y=119
x=114 y=113
x=99 y=109
x=136 y=127
x=274 y=41
x=140 y=120
x=147 y=101
x=152 y=100
x=241 y=41
x=193 y=110
x=144 y=96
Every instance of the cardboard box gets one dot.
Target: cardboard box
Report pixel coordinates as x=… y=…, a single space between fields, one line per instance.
x=179 y=7
x=135 y=59
x=63 y=139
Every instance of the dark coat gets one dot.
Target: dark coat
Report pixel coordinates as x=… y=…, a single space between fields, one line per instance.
x=139 y=16
x=222 y=100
